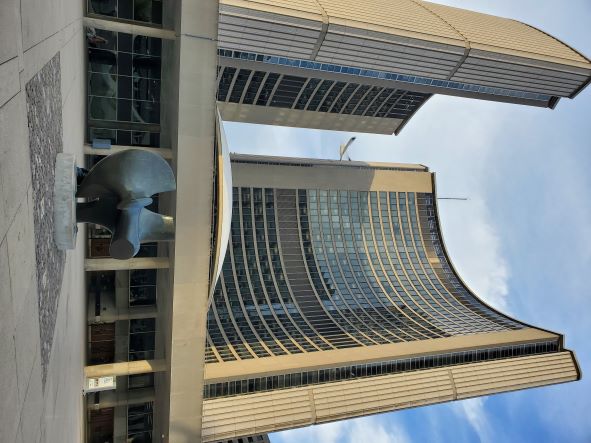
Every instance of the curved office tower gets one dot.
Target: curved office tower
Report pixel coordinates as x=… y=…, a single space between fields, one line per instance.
x=368 y=65
x=337 y=299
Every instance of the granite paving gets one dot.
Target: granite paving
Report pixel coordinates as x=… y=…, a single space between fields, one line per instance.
x=44 y=114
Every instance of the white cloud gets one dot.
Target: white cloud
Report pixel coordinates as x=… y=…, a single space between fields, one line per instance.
x=474 y=412
x=326 y=433
x=377 y=430
x=475 y=250
x=458 y=145
x=370 y=429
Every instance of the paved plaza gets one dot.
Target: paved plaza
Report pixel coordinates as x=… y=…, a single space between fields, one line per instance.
x=42 y=290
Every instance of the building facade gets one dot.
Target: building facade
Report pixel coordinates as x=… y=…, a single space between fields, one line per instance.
x=368 y=66
x=139 y=84
x=337 y=299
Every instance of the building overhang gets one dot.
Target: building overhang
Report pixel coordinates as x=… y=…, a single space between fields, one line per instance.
x=286 y=364
x=371 y=119
x=282 y=409
x=267 y=115
x=284 y=173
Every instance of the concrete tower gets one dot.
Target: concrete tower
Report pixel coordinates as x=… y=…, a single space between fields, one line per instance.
x=368 y=65
x=337 y=299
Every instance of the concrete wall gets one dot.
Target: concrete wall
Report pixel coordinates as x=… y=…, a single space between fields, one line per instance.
x=266 y=115
x=188 y=127
x=193 y=147
x=229 y=417
x=329 y=177
x=32 y=32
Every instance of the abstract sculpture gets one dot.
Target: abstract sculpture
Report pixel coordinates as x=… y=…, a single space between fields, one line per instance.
x=117 y=190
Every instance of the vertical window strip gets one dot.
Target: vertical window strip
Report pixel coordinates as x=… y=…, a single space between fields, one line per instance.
x=381 y=266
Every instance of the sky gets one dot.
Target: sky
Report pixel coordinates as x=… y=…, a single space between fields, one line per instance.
x=522 y=240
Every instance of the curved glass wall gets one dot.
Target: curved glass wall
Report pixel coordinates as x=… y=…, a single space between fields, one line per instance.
x=310 y=270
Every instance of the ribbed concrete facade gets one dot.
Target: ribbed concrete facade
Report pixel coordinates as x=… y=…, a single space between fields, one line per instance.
x=337 y=299
x=296 y=407
x=367 y=66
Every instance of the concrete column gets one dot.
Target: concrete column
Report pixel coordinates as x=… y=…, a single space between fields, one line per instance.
x=115 y=306
x=110 y=399
x=164 y=152
x=122 y=341
x=125 y=368
x=122 y=290
x=129 y=28
x=111 y=264
x=130 y=313
x=120 y=424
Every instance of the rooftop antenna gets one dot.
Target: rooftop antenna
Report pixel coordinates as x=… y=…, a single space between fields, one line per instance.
x=344 y=148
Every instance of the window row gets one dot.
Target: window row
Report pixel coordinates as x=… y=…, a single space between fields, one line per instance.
x=149 y=11
x=261 y=384
x=371 y=73
x=312 y=94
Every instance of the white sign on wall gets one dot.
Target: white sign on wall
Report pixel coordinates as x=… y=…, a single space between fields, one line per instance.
x=96 y=384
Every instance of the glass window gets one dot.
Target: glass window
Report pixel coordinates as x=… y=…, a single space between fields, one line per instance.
x=239 y=84
x=102 y=108
x=102 y=84
x=288 y=89
x=146 y=112
x=267 y=88
x=142 y=325
x=145 y=66
x=142 y=295
x=123 y=81
x=139 y=419
x=149 y=11
x=307 y=93
x=137 y=381
x=103 y=7
x=142 y=277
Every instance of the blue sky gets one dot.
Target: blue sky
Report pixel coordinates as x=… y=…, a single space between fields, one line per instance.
x=522 y=241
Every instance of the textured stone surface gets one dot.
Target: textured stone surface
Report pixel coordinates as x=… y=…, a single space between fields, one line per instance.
x=32 y=32
x=8 y=29
x=23 y=282
x=9 y=414
x=44 y=113
x=15 y=172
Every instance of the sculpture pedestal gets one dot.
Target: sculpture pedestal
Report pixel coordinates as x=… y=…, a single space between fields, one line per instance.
x=64 y=197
